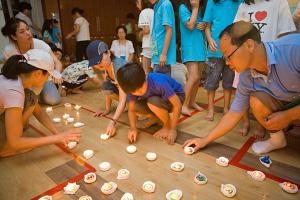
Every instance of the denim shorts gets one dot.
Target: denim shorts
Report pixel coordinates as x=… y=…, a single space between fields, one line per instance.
x=166 y=69
x=110 y=86
x=216 y=69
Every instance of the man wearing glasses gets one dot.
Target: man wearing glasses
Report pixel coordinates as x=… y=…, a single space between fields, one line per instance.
x=269 y=84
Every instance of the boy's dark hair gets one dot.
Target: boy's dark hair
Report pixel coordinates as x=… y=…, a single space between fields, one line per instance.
x=17 y=65
x=11 y=27
x=202 y=5
x=121 y=27
x=249 y=2
x=131 y=77
x=238 y=39
x=24 y=6
x=77 y=10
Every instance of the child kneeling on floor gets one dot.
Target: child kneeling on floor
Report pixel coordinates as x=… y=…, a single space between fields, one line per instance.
x=155 y=95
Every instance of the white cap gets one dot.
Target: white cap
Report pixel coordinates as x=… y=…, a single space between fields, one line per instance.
x=43 y=60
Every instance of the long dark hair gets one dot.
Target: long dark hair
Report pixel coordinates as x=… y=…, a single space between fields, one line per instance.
x=47 y=26
x=17 y=65
x=11 y=27
x=202 y=6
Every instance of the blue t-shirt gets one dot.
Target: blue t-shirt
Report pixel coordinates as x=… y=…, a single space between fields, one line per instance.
x=55 y=30
x=193 y=45
x=163 y=16
x=160 y=85
x=220 y=15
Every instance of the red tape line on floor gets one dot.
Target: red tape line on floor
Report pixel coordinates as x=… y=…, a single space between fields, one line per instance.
x=240 y=154
x=60 y=186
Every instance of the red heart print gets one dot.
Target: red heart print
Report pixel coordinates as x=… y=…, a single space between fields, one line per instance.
x=261 y=15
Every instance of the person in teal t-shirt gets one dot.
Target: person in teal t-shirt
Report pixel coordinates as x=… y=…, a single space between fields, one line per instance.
x=218 y=15
x=193 y=49
x=163 y=35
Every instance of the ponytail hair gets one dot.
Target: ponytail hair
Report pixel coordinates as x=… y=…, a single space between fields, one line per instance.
x=17 y=65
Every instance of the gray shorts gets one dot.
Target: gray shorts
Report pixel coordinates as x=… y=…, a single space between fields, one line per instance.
x=141 y=106
x=216 y=69
x=30 y=100
x=166 y=69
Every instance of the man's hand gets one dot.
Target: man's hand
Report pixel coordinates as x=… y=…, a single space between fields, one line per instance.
x=111 y=129
x=277 y=121
x=198 y=143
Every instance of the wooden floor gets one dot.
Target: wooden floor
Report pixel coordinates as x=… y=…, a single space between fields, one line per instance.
x=48 y=169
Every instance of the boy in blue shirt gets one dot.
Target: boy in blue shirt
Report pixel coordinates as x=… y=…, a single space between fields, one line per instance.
x=154 y=95
x=163 y=36
x=218 y=15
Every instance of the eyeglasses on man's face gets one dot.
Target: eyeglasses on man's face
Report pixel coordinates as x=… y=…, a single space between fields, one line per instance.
x=227 y=58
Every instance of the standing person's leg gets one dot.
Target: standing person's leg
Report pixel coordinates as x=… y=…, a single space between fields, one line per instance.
x=193 y=78
x=262 y=106
x=193 y=103
x=213 y=71
x=147 y=54
x=228 y=77
x=50 y=94
x=78 y=51
x=84 y=46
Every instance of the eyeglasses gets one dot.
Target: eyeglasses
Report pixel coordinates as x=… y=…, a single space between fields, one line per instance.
x=227 y=59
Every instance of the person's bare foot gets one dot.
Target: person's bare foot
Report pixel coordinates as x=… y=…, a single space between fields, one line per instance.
x=244 y=130
x=76 y=91
x=147 y=123
x=197 y=107
x=210 y=115
x=186 y=111
x=259 y=131
x=225 y=111
x=161 y=134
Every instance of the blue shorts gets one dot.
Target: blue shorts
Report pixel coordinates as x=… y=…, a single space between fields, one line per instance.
x=216 y=69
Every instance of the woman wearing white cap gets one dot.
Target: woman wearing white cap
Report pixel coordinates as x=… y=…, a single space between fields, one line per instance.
x=18 y=103
x=20 y=41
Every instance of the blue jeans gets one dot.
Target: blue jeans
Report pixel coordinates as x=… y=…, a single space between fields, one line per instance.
x=50 y=94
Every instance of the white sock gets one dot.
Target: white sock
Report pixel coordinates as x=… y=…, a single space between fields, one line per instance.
x=276 y=141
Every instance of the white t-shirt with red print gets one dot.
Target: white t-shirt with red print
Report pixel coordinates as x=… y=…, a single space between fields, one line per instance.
x=272 y=18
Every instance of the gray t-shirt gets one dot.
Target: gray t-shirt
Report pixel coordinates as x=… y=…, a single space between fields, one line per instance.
x=11 y=94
